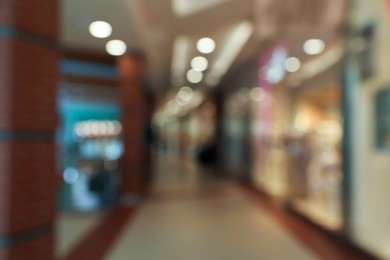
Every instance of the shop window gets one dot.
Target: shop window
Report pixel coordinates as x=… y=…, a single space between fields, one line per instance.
x=382 y=103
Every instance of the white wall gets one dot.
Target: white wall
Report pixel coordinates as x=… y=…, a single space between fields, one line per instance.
x=371 y=180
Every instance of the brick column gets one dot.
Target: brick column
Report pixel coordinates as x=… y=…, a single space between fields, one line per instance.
x=135 y=119
x=28 y=119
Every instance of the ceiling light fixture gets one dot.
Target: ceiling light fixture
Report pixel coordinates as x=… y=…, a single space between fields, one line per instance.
x=116 y=47
x=292 y=64
x=206 y=45
x=189 y=7
x=173 y=108
x=100 y=29
x=314 y=46
x=180 y=102
x=185 y=94
x=194 y=76
x=199 y=63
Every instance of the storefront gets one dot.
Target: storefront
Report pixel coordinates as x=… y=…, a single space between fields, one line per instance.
x=90 y=148
x=299 y=153
x=272 y=114
x=314 y=148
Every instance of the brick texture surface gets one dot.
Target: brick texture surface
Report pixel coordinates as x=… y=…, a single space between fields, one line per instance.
x=33 y=186
x=28 y=94
x=32 y=72
x=42 y=249
x=35 y=16
x=135 y=107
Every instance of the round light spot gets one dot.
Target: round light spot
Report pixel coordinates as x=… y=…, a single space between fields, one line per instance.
x=100 y=29
x=173 y=108
x=275 y=75
x=87 y=129
x=292 y=64
x=180 y=101
x=116 y=47
x=194 y=76
x=199 y=63
x=71 y=175
x=79 y=129
x=95 y=128
x=314 y=46
x=185 y=94
x=117 y=128
x=206 y=45
x=102 y=128
x=114 y=150
x=111 y=128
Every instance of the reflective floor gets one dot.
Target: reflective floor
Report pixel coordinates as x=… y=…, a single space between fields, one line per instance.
x=191 y=215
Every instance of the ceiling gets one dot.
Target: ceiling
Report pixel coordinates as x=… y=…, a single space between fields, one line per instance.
x=167 y=30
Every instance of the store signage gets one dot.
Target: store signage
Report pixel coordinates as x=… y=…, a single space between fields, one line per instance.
x=298 y=17
x=97 y=129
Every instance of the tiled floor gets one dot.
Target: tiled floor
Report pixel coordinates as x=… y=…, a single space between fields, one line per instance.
x=195 y=217
x=224 y=226
x=71 y=229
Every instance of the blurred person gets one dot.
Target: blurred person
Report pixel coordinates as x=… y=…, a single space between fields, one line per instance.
x=207 y=158
x=99 y=184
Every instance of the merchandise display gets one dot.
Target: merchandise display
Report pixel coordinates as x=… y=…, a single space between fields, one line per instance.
x=315 y=152
x=271 y=174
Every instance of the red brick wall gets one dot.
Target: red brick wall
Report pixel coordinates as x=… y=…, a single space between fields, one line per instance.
x=28 y=121
x=135 y=116
x=34 y=186
x=6 y=12
x=36 y=16
x=32 y=72
x=42 y=249
x=5 y=81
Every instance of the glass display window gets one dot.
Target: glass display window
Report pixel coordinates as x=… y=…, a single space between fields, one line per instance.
x=314 y=148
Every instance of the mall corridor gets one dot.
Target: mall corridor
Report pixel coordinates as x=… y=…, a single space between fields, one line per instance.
x=193 y=215
x=194 y=129
x=190 y=216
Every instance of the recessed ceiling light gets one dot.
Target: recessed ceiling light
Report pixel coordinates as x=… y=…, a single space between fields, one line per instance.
x=116 y=47
x=100 y=29
x=173 y=108
x=185 y=94
x=180 y=101
x=194 y=76
x=292 y=64
x=314 y=46
x=206 y=45
x=199 y=63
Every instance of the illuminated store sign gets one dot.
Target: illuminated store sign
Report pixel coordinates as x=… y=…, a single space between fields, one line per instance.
x=98 y=129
